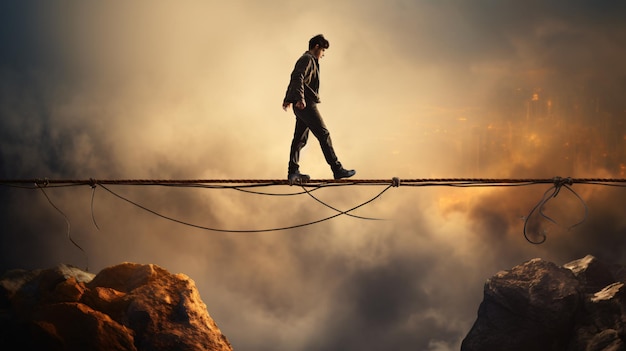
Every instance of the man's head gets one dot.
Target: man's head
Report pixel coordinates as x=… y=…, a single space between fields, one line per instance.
x=318 y=45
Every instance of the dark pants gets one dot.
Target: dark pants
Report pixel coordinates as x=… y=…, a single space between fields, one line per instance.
x=310 y=119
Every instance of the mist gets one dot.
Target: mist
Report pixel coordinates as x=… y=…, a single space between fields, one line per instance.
x=409 y=89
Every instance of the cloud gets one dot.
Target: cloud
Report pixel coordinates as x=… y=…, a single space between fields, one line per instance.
x=409 y=89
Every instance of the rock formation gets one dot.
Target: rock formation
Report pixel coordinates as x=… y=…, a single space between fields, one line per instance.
x=125 y=307
x=540 y=306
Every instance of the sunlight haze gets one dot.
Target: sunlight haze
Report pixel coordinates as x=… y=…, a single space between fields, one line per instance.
x=409 y=89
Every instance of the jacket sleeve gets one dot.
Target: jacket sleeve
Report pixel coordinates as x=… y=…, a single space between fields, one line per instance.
x=295 y=90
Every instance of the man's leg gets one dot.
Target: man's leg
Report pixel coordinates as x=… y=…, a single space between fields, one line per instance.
x=311 y=116
x=300 y=137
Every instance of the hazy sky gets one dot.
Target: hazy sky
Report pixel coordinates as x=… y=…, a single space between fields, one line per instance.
x=413 y=89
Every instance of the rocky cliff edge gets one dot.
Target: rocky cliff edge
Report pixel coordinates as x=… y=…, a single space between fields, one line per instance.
x=541 y=306
x=125 y=307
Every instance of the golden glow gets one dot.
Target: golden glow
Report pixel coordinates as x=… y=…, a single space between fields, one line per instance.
x=166 y=90
x=534 y=139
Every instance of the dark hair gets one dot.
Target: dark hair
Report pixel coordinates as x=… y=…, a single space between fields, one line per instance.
x=319 y=40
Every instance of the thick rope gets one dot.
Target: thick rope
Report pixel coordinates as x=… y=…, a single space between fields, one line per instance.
x=395 y=181
x=558 y=183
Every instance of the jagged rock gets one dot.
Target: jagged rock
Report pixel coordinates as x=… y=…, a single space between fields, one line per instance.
x=539 y=306
x=125 y=307
x=592 y=274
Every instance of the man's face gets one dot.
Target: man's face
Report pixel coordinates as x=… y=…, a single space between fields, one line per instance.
x=318 y=52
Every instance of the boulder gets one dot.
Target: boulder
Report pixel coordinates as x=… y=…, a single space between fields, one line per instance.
x=541 y=306
x=125 y=307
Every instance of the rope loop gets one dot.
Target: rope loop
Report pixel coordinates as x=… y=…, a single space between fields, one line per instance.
x=552 y=192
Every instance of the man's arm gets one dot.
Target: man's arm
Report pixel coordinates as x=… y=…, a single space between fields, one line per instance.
x=295 y=90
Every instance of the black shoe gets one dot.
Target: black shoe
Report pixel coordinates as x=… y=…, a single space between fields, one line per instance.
x=297 y=178
x=343 y=173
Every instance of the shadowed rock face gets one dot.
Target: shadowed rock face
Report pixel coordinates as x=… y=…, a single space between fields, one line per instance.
x=541 y=306
x=125 y=307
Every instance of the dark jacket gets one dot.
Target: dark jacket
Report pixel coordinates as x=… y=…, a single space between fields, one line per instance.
x=305 y=80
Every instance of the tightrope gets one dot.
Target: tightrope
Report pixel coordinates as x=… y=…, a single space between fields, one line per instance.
x=557 y=183
x=395 y=181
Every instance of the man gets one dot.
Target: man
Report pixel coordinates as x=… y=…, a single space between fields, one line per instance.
x=303 y=94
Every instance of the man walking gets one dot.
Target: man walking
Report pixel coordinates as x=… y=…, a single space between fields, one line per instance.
x=303 y=94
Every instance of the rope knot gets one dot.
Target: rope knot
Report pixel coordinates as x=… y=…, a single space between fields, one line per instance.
x=395 y=182
x=560 y=182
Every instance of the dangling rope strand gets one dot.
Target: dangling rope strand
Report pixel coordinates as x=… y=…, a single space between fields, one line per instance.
x=584 y=206
x=69 y=226
x=336 y=210
x=244 y=184
x=93 y=195
x=244 y=230
x=538 y=205
x=552 y=192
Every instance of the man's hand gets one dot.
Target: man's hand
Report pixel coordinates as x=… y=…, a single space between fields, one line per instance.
x=300 y=105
